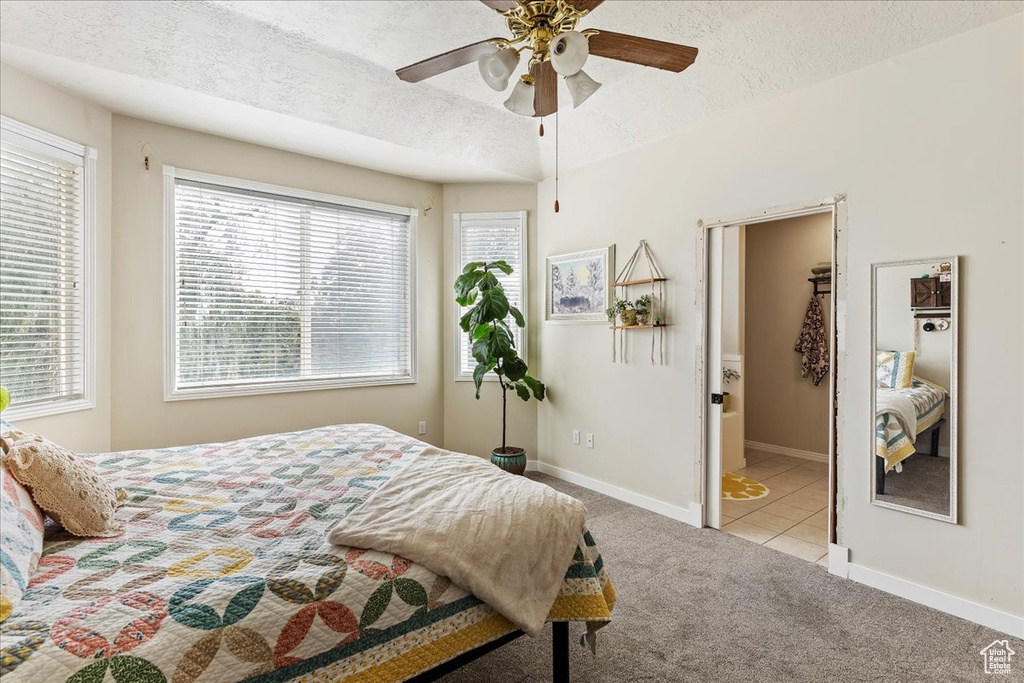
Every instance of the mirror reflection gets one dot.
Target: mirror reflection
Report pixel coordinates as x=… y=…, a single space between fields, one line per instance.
x=914 y=338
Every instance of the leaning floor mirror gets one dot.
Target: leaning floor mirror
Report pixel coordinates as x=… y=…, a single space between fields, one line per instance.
x=914 y=330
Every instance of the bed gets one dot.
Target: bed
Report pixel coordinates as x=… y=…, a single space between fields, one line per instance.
x=893 y=444
x=225 y=575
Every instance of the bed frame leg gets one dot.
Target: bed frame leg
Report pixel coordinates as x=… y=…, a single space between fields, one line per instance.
x=560 y=651
x=879 y=476
x=935 y=440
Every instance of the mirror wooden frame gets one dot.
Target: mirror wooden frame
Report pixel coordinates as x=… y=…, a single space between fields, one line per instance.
x=953 y=393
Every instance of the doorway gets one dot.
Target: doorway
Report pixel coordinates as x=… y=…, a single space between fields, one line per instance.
x=752 y=451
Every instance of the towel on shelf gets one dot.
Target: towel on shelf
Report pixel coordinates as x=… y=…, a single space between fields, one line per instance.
x=813 y=344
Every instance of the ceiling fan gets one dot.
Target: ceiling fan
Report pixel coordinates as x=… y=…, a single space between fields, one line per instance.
x=547 y=28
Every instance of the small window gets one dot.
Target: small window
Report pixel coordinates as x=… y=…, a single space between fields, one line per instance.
x=276 y=289
x=492 y=237
x=47 y=218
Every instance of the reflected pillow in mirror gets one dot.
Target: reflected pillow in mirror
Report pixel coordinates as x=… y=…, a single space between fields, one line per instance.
x=894 y=369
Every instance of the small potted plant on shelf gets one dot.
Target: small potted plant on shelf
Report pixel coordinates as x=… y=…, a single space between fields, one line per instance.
x=728 y=374
x=494 y=349
x=626 y=311
x=615 y=310
x=643 y=309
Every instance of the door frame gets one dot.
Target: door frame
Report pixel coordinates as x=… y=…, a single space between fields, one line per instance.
x=836 y=206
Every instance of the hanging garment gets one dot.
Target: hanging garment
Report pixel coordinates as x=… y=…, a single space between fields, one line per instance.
x=813 y=344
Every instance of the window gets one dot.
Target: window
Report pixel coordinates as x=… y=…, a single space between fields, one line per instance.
x=47 y=216
x=276 y=289
x=491 y=237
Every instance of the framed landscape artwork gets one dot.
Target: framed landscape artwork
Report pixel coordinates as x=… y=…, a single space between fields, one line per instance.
x=579 y=285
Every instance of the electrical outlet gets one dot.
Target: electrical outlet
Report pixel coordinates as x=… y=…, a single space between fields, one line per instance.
x=576 y=436
x=423 y=427
x=590 y=440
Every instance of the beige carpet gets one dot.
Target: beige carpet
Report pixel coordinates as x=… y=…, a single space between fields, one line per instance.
x=700 y=605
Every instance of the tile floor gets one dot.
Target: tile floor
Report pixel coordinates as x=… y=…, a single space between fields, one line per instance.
x=792 y=518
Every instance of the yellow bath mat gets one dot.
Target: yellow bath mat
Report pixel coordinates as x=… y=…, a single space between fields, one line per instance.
x=735 y=487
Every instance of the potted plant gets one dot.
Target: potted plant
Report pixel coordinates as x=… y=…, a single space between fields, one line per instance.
x=625 y=310
x=643 y=309
x=728 y=374
x=614 y=310
x=493 y=348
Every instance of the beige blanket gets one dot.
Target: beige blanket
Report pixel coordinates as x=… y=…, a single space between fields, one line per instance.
x=504 y=538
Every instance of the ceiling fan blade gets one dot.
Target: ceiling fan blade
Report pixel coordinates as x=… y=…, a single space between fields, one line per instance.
x=646 y=51
x=582 y=5
x=453 y=59
x=500 y=5
x=545 y=89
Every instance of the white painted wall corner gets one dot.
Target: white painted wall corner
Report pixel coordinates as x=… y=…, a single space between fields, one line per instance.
x=839 y=560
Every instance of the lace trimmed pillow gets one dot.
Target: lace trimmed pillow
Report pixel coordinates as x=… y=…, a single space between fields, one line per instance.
x=65 y=487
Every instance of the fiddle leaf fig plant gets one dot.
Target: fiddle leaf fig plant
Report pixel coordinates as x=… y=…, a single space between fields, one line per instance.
x=488 y=326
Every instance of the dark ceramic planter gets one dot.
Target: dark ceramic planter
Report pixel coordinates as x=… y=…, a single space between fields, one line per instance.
x=514 y=463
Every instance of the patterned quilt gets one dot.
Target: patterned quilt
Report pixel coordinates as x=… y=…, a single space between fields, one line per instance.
x=225 y=575
x=892 y=443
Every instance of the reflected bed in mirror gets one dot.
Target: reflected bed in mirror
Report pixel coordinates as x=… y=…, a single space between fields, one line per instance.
x=914 y=330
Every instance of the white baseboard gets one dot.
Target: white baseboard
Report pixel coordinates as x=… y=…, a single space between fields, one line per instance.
x=783 y=450
x=693 y=515
x=944 y=602
x=838 y=558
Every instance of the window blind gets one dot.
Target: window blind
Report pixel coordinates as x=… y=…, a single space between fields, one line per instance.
x=42 y=272
x=286 y=291
x=493 y=237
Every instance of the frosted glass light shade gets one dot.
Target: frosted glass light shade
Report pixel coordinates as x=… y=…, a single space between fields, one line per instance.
x=569 y=52
x=497 y=67
x=581 y=86
x=521 y=100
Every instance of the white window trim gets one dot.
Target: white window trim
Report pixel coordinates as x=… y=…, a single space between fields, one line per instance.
x=171 y=393
x=41 y=141
x=523 y=272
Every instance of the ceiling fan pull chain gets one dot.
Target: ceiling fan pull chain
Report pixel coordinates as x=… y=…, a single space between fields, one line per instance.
x=542 y=126
x=556 y=161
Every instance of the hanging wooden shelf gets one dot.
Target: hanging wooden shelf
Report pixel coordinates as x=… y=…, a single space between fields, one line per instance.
x=645 y=281
x=656 y=282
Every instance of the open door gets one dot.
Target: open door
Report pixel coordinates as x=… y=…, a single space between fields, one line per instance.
x=713 y=365
x=713 y=309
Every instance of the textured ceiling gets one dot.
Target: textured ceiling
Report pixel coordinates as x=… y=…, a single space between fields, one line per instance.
x=317 y=77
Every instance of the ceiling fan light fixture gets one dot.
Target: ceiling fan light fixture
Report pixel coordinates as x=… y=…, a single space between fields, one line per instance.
x=497 y=68
x=581 y=86
x=521 y=100
x=569 y=52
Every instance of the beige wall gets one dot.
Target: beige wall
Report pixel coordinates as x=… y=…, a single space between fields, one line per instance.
x=39 y=104
x=141 y=417
x=929 y=155
x=780 y=408
x=473 y=426
x=895 y=323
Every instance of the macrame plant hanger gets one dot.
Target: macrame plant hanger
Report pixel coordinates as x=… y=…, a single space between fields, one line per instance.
x=657 y=324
